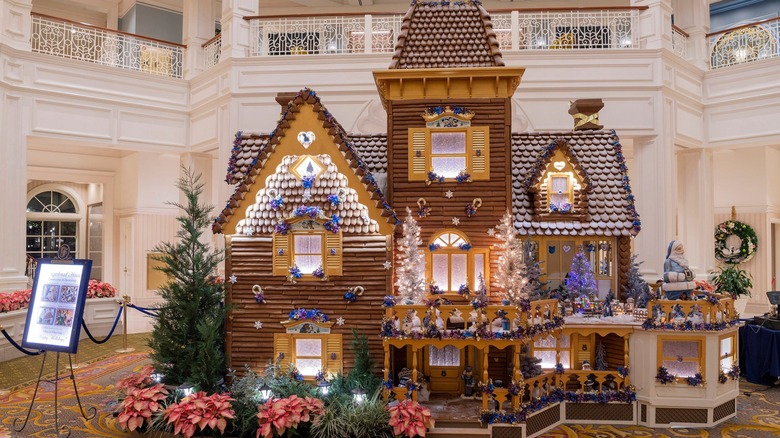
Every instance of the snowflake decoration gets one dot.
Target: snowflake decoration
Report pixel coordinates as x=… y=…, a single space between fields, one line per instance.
x=258 y=325
x=387 y=265
x=449 y=194
x=339 y=321
x=491 y=232
x=455 y=221
x=233 y=279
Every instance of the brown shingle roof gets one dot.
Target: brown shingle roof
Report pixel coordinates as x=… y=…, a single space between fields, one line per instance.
x=446 y=34
x=261 y=218
x=258 y=157
x=610 y=203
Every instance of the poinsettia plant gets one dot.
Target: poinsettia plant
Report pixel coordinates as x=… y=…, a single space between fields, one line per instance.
x=200 y=412
x=15 y=300
x=281 y=415
x=100 y=289
x=139 y=406
x=139 y=380
x=410 y=419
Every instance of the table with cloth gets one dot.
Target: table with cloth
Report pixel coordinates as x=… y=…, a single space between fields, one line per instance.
x=759 y=354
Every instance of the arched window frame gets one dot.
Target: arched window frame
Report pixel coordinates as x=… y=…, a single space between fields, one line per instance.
x=77 y=217
x=474 y=257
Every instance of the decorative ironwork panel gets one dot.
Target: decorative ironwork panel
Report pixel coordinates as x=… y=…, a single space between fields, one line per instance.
x=100 y=46
x=212 y=52
x=680 y=43
x=502 y=26
x=605 y=29
x=745 y=44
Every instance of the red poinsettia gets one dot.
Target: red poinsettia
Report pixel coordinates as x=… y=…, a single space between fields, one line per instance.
x=286 y=413
x=200 y=412
x=136 y=381
x=410 y=419
x=139 y=406
x=99 y=289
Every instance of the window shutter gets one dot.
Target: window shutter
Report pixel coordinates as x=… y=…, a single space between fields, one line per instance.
x=282 y=345
x=281 y=262
x=418 y=139
x=334 y=350
x=480 y=153
x=333 y=258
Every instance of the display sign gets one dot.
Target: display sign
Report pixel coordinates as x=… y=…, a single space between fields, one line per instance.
x=57 y=305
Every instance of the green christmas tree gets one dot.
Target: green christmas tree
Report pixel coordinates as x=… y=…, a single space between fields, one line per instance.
x=187 y=341
x=533 y=272
x=636 y=287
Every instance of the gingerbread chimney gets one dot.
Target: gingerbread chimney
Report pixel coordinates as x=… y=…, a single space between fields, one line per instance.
x=586 y=114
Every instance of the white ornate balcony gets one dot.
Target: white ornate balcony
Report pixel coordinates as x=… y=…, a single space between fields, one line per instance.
x=68 y=39
x=211 y=51
x=746 y=43
x=680 y=42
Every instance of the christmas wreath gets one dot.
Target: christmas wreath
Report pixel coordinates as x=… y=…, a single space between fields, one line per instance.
x=735 y=255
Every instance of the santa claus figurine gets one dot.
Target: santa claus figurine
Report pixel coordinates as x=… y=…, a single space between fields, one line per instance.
x=678 y=278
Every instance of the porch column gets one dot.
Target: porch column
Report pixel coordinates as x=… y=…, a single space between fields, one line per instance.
x=198 y=28
x=625 y=359
x=17 y=26
x=517 y=376
x=386 y=372
x=13 y=197
x=414 y=371
x=235 y=30
x=485 y=364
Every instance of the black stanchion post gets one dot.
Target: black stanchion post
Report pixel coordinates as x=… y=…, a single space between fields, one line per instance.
x=3 y=391
x=125 y=303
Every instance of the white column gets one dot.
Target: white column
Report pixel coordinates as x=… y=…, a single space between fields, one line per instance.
x=653 y=184
x=693 y=16
x=198 y=27
x=15 y=25
x=13 y=196
x=695 y=207
x=655 y=23
x=235 y=30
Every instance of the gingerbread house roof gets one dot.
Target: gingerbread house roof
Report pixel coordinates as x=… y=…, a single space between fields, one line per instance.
x=251 y=151
x=262 y=218
x=446 y=34
x=610 y=210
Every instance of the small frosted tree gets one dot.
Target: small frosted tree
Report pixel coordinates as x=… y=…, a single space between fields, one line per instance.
x=533 y=272
x=511 y=268
x=636 y=287
x=410 y=262
x=580 y=281
x=601 y=357
x=607 y=309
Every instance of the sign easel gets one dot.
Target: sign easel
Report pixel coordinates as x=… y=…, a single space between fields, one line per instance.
x=54 y=318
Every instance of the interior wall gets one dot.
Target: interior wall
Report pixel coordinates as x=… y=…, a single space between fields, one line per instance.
x=69 y=11
x=727 y=14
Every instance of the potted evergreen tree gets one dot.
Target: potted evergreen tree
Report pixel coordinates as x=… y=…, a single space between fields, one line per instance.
x=730 y=279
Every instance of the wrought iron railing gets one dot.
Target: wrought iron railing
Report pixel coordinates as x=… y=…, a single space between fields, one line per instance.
x=680 y=42
x=323 y=35
x=746 y=43
x=516 y=30
x=69 y=39
x=211 y=51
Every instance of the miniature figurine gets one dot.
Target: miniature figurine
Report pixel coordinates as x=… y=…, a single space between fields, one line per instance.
x=468 y=383
x=678 y=278
x=590 y=384
x=586 y=365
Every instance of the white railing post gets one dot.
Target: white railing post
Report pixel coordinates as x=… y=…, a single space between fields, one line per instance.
x=515 y=21
x=235 y=30
x=368 y=34
x=197 y=28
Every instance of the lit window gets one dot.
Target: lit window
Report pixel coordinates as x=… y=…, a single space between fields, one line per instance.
x=308 y=356
x=309 y=246
x=448 y=153
x=545 y=349
x=453 y=262
x=728 y=354
x=681 y=358
x=307 y=252
x=307 y=165
x=449 y=356
x=52 y=221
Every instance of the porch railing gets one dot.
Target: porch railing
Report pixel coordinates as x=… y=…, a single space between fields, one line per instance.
x=69 y=39
x=579 y=29
x=680 y=42
x=211 y=51
x=746 y=43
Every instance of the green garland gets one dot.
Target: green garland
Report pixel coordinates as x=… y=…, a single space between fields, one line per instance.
x=746 y=234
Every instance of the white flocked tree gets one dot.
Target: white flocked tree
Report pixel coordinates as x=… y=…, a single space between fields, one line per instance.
x=511 y=274
x=410 y=262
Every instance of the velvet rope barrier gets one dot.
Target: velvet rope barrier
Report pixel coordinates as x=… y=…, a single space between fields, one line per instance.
x=17 y=346
x=145 y=310
x=92 y=338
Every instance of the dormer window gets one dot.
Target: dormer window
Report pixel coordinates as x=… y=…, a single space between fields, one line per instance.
x=559 y=185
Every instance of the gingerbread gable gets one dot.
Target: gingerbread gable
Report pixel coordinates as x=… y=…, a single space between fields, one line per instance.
x=265 y=173
x=558 y=163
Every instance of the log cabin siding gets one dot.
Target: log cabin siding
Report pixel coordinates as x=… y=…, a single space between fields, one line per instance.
x=249 y=259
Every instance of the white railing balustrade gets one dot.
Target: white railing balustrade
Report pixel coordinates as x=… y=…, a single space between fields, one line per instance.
x=68 y=39
x=211 y=51
x=515 y=30
x=575 y=29
x=331 y=35
x=747 y=43
x=680 y=42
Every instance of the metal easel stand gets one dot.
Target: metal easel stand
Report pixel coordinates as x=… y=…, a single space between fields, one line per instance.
x=62 y=431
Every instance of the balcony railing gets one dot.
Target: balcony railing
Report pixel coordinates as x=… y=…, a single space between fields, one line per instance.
x=580 y=29
x=329 y=35
x=747 y=43
x=69 y=39
x=211 y=51
x=680 y=42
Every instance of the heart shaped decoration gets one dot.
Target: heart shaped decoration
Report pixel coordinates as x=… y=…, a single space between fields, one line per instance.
x=559 y=165
x=566 y=248
x=306 y=138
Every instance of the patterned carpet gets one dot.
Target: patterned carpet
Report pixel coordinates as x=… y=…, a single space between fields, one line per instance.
x=758 y=413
